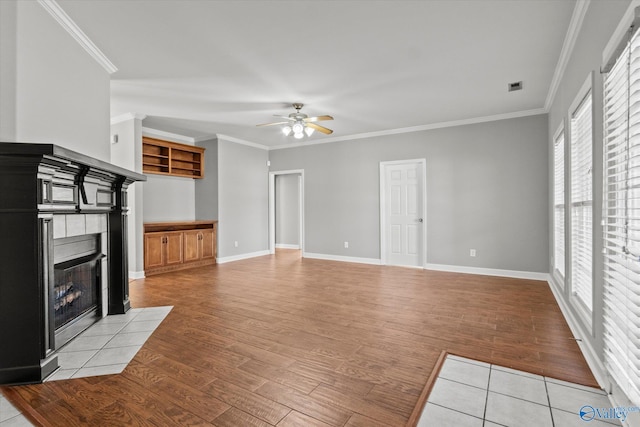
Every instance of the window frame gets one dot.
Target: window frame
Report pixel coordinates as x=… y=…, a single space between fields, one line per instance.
x=559 y=268
x=584 y=311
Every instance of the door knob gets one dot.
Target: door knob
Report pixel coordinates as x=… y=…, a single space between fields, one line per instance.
x=419 y=220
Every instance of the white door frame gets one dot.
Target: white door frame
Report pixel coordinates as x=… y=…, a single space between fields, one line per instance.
x=272 y=207
x=383 y=215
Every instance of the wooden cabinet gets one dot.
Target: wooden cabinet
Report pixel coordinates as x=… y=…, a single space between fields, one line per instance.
x=170 y=158
x=172 y=246
x=208 y=242
x=162 y=249
x=199 y=245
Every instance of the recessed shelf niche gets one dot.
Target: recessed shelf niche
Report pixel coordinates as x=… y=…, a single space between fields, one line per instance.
x=171 y=158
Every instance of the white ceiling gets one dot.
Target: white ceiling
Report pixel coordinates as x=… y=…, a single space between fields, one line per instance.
x=207 y=67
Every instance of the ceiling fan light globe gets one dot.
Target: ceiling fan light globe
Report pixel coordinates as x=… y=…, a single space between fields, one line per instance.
x=287 y=130
x=298 y=135
x=297 y=127
x=308 y=131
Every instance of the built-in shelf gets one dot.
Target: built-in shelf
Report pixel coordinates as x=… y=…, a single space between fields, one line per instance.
x=171 y=158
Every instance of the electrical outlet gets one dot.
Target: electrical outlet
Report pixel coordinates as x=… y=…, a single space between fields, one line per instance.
x=472 y=252
x=346 y=245
x=235 y=243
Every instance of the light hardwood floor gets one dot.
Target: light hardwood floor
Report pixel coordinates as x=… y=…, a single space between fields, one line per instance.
x=280 y=340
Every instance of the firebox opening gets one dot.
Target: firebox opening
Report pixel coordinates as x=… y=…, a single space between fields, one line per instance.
x=76 y=294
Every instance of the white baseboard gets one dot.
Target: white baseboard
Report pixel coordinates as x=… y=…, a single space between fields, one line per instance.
x=589 y=353
x=135 y=275
x=286 y=246
x=240 y=257
x=326 y=257
x=488 y=271
x=439 y=267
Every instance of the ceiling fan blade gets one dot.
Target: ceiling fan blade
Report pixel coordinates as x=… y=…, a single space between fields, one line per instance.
x=285 y=117
x=273 y=124
x=319 y=128
x=317 y=119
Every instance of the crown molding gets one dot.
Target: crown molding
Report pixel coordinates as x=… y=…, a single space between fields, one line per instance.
x=127 y=116
x=420 y=128
x=72 y=28
x=242 y=141
x=577 y=18
x=174 y=137
x=205 y=138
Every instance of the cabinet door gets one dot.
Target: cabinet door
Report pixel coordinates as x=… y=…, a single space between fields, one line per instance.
x=153 y=250
x=191 y=245
x=173 y=248
x=208 y=241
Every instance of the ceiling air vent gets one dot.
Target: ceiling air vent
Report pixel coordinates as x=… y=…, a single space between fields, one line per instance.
x=515 y=86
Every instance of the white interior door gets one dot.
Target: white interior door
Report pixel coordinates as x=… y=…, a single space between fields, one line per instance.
x=403 y=215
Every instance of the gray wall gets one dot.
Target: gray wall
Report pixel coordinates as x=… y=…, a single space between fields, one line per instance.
x=487 y=189
x=168 y=198
x=206 y=189
x=127 y=153
x=8 y=72
x=243 y=199
x=600 y=22
x=63 y=92
x=287 y=210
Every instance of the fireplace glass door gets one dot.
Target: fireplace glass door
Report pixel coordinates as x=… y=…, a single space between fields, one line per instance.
x=76 y=295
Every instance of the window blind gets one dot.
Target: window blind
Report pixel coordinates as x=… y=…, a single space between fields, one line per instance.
x=621 y=308
x=558 y=203
x=581 y=203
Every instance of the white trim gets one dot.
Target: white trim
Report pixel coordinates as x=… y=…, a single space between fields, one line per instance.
x=272 y=207
x=560 y=130
x=582 y=93
x=613 y=48
x=155 y=133
x=286 y=246
x=514 y=274
x=529 y=275
x=383 y=234
x=135 y=275
x=577 y=18
x=326 y=257
x=242 y=142
x=127 y=116
x=585 y=315
x=240 y=257
x=205 y=138
x=72 y=28
x=577 y=329
x=420 y=128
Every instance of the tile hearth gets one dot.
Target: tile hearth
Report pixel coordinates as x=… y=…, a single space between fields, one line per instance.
x=468 y=393
x=103 y=349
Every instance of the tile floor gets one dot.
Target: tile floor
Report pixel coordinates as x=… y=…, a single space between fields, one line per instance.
x=105 y=348
x=469 y=393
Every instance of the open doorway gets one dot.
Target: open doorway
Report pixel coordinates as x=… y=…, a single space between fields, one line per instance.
x=286 y=210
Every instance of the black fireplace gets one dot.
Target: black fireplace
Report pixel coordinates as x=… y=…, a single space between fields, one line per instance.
x=76 y=297
x=63 y=252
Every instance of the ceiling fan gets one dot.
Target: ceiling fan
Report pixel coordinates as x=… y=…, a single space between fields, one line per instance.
x=300 y=124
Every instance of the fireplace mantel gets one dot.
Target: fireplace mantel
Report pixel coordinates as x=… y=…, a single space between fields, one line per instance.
x=40 y=182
